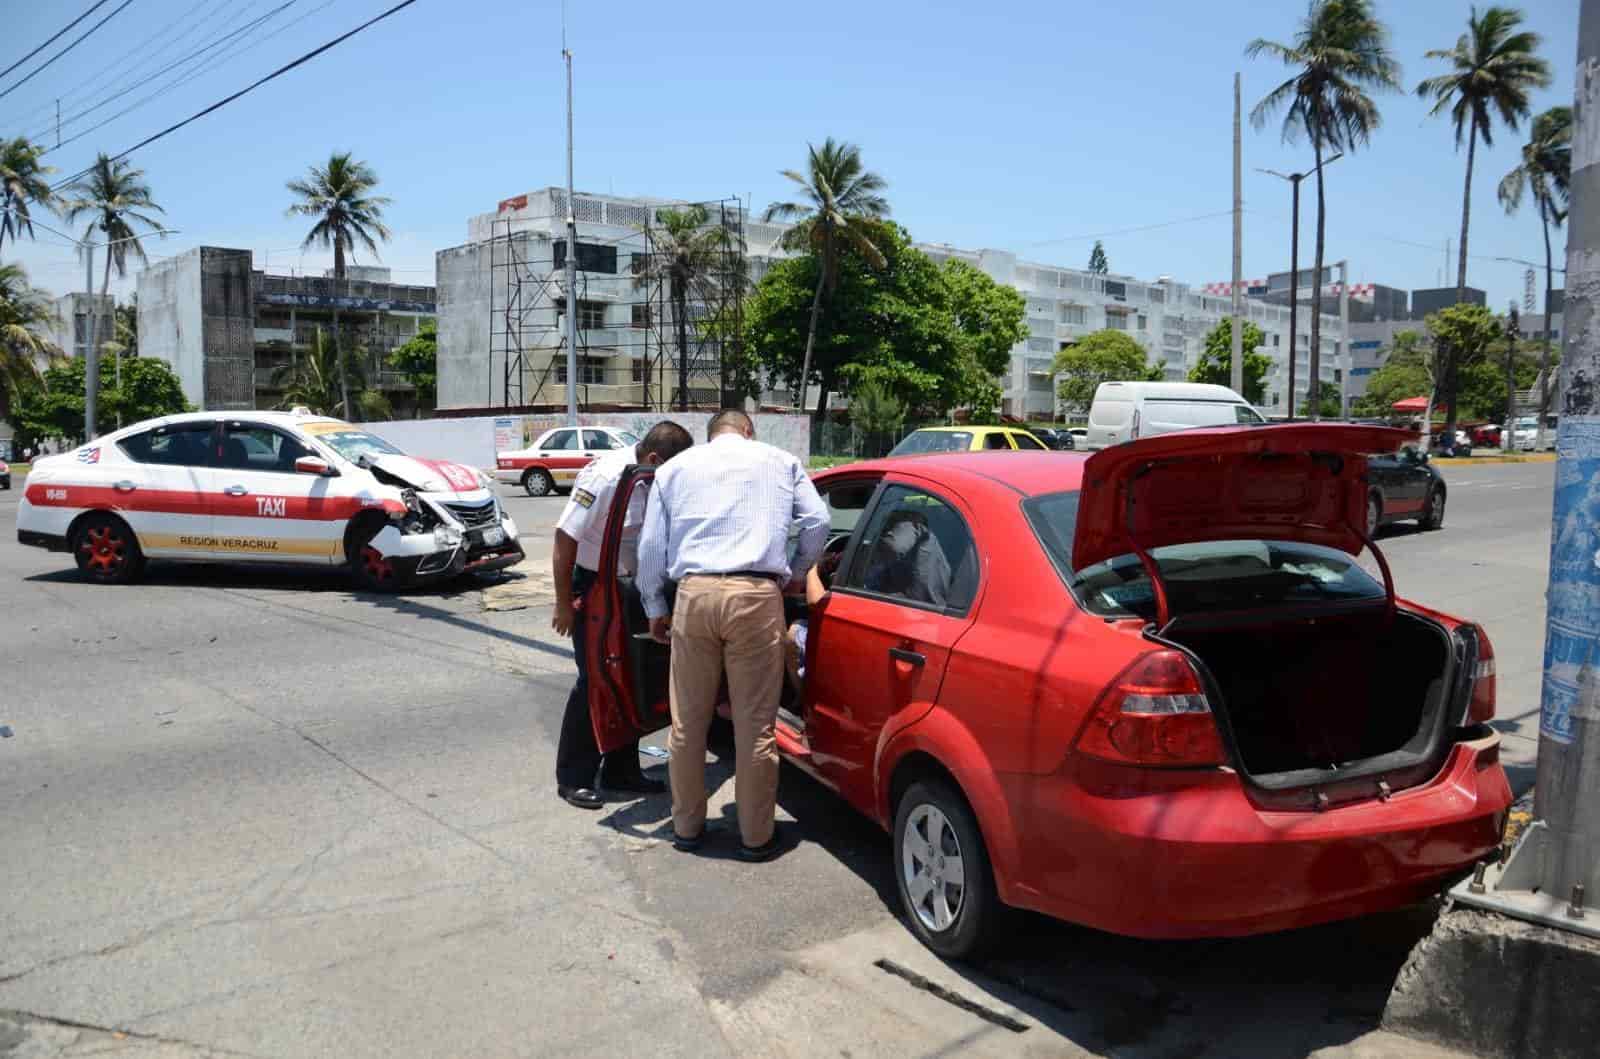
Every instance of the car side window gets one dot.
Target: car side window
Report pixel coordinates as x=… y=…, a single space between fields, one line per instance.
x=597 y=439
x=1026 y=441
x=917 y=550
x=182 y=445
x=561 y=440
x=996 y=441
x=1246 y=414
x=253 y=447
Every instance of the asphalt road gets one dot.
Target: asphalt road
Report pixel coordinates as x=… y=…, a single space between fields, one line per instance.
x=247 y=811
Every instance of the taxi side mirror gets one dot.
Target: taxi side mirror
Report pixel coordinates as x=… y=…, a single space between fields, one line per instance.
x=314 y=465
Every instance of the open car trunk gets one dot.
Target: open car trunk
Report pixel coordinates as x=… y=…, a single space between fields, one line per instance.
x=1346 y=705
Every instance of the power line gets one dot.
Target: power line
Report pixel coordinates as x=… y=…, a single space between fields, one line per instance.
x=59 y=34
x=42 y=67
x=246 y=28
x=1130 y=231
x=279 y=72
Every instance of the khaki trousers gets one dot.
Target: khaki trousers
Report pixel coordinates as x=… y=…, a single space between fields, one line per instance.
x=732 y=624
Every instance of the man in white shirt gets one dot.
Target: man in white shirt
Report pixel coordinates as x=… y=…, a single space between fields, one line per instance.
x=574 y=563
x=718 y=524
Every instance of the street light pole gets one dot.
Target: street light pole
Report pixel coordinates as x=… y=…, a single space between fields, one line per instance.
x=1294 y=266
x=91 y=362
x=1346 y=355
x=1511 y=378
x=572 y=259
x=1236 y=372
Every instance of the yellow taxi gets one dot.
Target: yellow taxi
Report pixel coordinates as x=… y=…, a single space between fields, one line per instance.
x=965 y=439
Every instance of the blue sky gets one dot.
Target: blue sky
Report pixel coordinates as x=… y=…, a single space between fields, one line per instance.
x=1021 y=124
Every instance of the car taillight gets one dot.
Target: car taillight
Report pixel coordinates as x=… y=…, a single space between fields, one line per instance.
x=1481 y=709
x=1155 y=713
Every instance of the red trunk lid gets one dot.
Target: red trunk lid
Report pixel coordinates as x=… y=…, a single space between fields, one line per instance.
x=1296 y=481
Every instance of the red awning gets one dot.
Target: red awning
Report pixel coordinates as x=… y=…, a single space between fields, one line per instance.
x=1411 y=404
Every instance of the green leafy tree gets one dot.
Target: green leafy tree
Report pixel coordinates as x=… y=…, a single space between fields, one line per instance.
x=1546 y=171
x=23 y=184
x=1103 y=356
x=149 y=389
x=1327 y=405
x=324 y=380
x=126 y=328
x=840 y=201
x=1461 y=335
x=1216 y=362
x=418 y=360
x=115 y=199
x=340 y=195
x=879 y=414
x=25 y=316
x=689 y=256
x=1494 y=68
x=1407 y=371
x=1097 y=260
x=1340 y=53
x=933 y=337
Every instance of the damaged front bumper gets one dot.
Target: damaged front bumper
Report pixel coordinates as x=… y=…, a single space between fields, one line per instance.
x=461 y=539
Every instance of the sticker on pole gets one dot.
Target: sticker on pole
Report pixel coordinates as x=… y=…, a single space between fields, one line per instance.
x=1571 y=682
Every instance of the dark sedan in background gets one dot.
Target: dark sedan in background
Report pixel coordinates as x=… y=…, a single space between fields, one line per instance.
x=1404 y=485
x=1056 y=439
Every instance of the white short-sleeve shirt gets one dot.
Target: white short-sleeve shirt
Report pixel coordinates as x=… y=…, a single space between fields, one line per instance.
x=589 y=506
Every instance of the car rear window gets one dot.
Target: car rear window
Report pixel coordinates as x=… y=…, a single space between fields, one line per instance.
x=1205 y=576
x=922 y=441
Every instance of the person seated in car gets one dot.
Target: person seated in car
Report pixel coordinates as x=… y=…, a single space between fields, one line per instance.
x=818 y=580
x=907 y=561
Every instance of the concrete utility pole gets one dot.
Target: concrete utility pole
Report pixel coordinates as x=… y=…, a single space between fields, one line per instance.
x=572 y=257
x=91 y=363
x=1511 y=378
x=1294 y=268
x=1346 y=354
x=1236 y=372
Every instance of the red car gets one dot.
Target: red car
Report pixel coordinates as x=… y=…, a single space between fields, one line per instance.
x=1148 y=690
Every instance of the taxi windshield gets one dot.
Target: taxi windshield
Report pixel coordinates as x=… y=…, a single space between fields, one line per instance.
x=354 y=444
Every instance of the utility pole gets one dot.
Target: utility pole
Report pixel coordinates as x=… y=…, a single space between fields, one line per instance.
x=91 y=363
x=1346 y=355
x=1511 y=378
x=1236 y=372
x=1294 y=267
x=572 y=255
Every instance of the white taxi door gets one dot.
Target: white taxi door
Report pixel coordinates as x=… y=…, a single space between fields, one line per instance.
x=163 y=491
x=563 y=455
x=265 y=509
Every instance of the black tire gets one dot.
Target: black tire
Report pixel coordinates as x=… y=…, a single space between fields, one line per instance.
x=106 y=550
x=927 y=890
x=538 y=483
x=1433 y=510
x=1374 y=514
x=368 y=569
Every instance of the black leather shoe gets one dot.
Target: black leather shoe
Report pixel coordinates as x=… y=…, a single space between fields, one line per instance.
x=766 y=851
x=581 y=797
x=689 y=845
x=636 y=784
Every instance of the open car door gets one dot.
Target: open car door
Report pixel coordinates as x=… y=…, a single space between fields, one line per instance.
x=628 y=671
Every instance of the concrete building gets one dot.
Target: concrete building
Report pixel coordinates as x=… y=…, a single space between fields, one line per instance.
x=70 y=332
x=1432 y=299
x=227 y=329
x=620 y=339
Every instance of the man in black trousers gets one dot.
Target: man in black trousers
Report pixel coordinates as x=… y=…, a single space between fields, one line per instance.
x=574 y=561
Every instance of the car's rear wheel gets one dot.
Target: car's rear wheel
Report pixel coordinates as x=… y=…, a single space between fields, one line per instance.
x=538 y=483
x=106 y=550
x=1374 y=514
x=370 y=568
x=941 y=869
x=1433 y=510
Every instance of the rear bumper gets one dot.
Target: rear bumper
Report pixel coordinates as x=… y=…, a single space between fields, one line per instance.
x=508 y=475
x=1198 y=859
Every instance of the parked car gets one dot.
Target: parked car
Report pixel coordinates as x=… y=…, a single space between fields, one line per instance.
x=1206 y=721
x=964 y=439
x=1123 y=411
x=281 y=487
x=1525 y=434
x=553 y=461
x=5 y=475
x=1486 y=436
x=1080 y=436
x=1454 y=445
x=1404 y=485
x=1059 y=440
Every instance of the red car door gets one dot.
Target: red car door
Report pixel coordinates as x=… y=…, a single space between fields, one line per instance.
x=878 y=643
x=628 y=671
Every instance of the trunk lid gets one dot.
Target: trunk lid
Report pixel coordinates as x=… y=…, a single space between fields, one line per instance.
x=1295 y=482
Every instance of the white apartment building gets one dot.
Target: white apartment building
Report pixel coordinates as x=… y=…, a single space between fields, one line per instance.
x=477 y=299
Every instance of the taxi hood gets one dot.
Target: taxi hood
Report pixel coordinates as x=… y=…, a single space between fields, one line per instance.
x=1296 y=481
x=427 y=476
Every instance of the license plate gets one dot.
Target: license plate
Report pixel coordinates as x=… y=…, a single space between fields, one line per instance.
x=494 y=535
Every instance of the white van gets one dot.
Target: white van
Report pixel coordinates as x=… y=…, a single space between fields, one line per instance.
x=1123 y=411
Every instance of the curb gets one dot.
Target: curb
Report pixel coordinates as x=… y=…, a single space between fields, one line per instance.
x=1478 y=461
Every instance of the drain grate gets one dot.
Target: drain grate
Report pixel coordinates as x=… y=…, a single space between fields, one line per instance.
x=987 y=1014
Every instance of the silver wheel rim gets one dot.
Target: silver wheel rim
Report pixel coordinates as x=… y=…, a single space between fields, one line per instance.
x=932 y=868
x=1436 y=508
x=1373 y=515
x=536 y=485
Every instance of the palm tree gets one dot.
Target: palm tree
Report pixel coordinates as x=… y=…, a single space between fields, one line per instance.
x=22 y=181
x=839 y=196
x=340 y=196
x=25 y=315
x=323 y=378
x=114 y=197
x=1493 y=70
x=1340 y=52
x=1546 y=169
x=690 y=256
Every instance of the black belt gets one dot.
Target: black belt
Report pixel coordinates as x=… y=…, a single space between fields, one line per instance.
x=776 y=579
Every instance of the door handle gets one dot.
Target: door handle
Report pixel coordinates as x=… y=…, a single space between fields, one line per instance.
x=235 y=490
x=900 y=654
x=124 y=486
